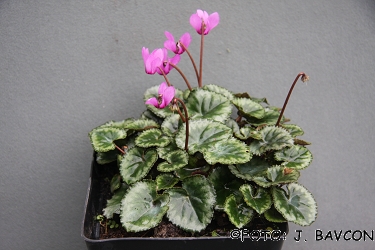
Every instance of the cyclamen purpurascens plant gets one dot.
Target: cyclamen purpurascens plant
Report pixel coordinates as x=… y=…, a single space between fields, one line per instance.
x=186 y=156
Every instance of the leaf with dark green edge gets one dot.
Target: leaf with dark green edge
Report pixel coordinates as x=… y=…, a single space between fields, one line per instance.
x=148 y=115
x=239 y=213
x=170 y=124
x=258 y=199
x=247 y=171
x=297 y=157
x=191 y=206
x=249 y=108
x=231 y=151
x=293 y=129
x=102 y=139
x=164 y=151
x=273 y=138
x=106 y=157
x=114 y=204
x=225 y=184
x=219 y=90
x=190 y=170
x=270 y=118
x=142 y=207
x=202 y=132
x=274 y=216
x=141 y=124
x=165 y=181
x=136 y=163
x=208 y=105
x=295 y=203
x=175 y=160
x=152 y=138
x=115 y=182
x=277 y=175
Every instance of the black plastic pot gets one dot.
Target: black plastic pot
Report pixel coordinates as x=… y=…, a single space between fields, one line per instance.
x=91 y=228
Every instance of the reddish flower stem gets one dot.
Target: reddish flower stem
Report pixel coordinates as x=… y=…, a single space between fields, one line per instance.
x=304 y=77
x=182 y=74
x=119 y=149
x=186 y=123
x=191 y=59
x=201 y=56
x=165 y=77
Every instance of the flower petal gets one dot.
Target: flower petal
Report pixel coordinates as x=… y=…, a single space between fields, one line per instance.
x=196 y=22
x=153 y=101
x=185 y=39
x=168 y=96
x=213 y=20
x=163 y=86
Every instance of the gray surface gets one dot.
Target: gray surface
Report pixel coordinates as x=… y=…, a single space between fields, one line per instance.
x=68 y=66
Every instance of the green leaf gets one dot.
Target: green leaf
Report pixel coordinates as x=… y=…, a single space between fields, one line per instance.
x=102 y=139
x=141 y=124
x=136 y=164
x=191 y=206
x=243 y=133
x=294 y=130
x=297 y=157
x=191 y=169
x=247 y=171
x=238 y=212
x=152 y=138
x=175 y=160
x=270 y=118
x=225 y=184
x=231 y=151
x=274 y=216
x=259 y=199
x=142 y=207
x=219 y=90
x=164 y=151
x=295 y=203
x=202 y=133
x=114 y=204
x=165 y=181
x=106 y=157
x=273 y=138
x=171 y=124
x=208 y=105
x=115 y=182
x=148 y=115
x=249 y=108
x=277 y=175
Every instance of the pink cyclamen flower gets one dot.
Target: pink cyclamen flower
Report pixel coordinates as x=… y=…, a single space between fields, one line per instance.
x=166 y=95
x=165 y=66
x=210 y=21
x=176 y=47
x=152 y=61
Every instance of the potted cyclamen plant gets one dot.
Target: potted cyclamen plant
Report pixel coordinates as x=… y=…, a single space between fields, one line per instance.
x=200 y=166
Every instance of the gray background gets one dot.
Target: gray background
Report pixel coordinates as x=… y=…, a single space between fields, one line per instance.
x=69 y=66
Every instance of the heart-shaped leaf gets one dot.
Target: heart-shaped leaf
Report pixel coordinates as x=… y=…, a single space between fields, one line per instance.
x=247 y=171
x=164 y=151
x=277 y=175
x=231 y=151
x=297 y=157
x=208 y=105
x=270 y=118
x=171 y=124
x=136 y=163
x=259 y=199
x=114 y=204
x=295 y=203
x=249 y=108
x=165 y=181
x=142 y=207
x=140 y=124
x=272 y=138
x=202 y=133
x=152 y=138
x=294 y=130
x=102 y=139
x=225 y=184
x=175 y=160
x=219 y=90
x=191 y=206
x=239 y=213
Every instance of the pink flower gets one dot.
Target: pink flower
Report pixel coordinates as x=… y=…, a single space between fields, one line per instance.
x=210 y=21
x=152 y=61
x=176 y=47
x=165 y=66
x=166 y=95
